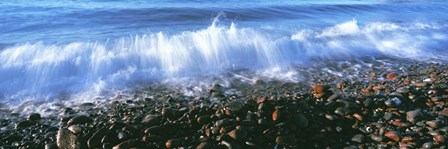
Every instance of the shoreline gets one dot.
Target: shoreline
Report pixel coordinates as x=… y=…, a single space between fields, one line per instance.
x=403 y=106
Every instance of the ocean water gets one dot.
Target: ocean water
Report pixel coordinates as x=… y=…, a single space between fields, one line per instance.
x=88 y=48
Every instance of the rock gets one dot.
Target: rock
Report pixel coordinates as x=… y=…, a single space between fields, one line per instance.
x=420 y=84
x=435 y=123
x=235 y=106
x=377 y=138
x=75 y=129
x=392 y=75
x=389 y=103
x=359 y=138
x=276 y=114
x=204 y=145
x=66 y=140
x=329 y=117
x=319 y=88
x=414 y=116
x=204 y=119
x=34 y=117
x=129 y=144
x=173 y=143
x=302 y=121
x=358 y=116
x=24 y=124
x=341 y=111
x=387 y=116
x=95 y=140
x=440 y=138
x=231 y=145
x=82 y=119
x=151 y=120
x=238 y=134
x=51 y=146
x=428 y=145
x=12 y=138
x=393 y=135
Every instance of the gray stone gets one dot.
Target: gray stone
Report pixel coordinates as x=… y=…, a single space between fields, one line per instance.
x=67 y=140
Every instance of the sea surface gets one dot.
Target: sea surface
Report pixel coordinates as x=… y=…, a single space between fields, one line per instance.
x=81 y=49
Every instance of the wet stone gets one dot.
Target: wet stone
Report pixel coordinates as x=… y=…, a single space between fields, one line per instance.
x=359 y=138
x=95 y=140
x=393 y=135
x=67 y=140
x=24 y=124
x=428 y=145
x=414 y=116
x=150 y=120
x=435 y=123
x=82 y=119
x=34 y=117
x=75 y=129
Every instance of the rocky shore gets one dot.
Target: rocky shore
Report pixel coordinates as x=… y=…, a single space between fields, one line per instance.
x=384 y=107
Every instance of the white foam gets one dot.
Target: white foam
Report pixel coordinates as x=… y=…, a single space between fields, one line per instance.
x=42 y=72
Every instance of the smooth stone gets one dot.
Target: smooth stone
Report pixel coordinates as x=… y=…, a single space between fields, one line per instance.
x=173 y=143
x=129 y=144
x=377 y=138
x=302 y=121
x=151 y=120
x=231 y=145
x=428 y=145
x=387 y=116
x=82 y=119
x=341 y=111
x=435 y=123
x=238 y=134
x=34 y=117
x=204 y=145
x=67 y=140
x=440 y=138
x=235 y=106
x=75 y=129
x=414 y=116
x=393 y=135
x=359 y=138
x=51 y=146
x=24 y=124
x=95 y=140
x=204 y=119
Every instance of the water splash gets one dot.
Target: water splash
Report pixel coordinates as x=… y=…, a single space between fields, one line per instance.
x=38 y=71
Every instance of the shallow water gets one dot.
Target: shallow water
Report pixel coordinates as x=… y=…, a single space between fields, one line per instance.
x=92 y=47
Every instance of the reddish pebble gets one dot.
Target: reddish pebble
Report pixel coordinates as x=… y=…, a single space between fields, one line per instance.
x=393 y=135
x=319 y=88
x=357 y=116
x=275 y=115
x=391 y=76
x=440 y=138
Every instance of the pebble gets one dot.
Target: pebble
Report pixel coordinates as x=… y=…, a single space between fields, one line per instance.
x=428 y=145
x=82 y=119
x=238 y=134
x=24 y=124
x=150 y=120
x=95 y=140
x=393 y=135
x=414 y=116
x=34 y=117
x=359 y=138
x=75 y=129
x=67 y=140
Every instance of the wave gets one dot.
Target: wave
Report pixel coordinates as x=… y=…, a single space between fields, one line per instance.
x=44 y=71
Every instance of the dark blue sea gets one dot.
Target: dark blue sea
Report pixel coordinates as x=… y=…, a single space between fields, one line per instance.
x=82 y=49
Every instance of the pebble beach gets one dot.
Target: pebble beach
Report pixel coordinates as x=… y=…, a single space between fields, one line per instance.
x=382 y=107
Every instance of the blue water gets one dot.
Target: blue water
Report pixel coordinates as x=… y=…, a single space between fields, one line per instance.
x=50 y=47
